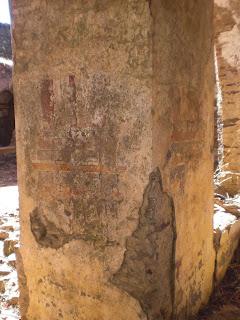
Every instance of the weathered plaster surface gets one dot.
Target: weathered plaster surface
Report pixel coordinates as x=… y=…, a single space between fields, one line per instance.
x=110 y=96
x=227 y=25
x=5 y=54
x=84 y=125
x=183 y=139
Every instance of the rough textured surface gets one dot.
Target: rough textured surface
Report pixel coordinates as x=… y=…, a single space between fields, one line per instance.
x=227 y=23
x=6 y=100
x=5 y=53
x=5 y=77
x=114 y=91
x=183 y=139
x=227 y=245
x=226 y=239
x=9 y=227
x=5 y=41
x=149 y=260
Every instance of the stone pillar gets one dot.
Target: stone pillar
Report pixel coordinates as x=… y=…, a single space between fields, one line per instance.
x=114 y=116
x=183 y=128
x=227 y=34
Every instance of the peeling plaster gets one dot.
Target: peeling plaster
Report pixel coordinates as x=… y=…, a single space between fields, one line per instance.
x=147 y=272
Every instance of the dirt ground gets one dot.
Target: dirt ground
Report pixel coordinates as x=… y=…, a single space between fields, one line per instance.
x=225 y=301
x=9 y=236
x=8 y=170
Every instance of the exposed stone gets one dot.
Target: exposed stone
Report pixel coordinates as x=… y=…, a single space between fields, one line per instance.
x=3 y=235
x=4 y=270
x=227 y=24
x=6 y=107
x=8 y=228
x=12 y=260
x=9 y=218
x=2 y=286
x=47 y=233
x=226 y=238
x=9 y=247
x=148 y=264
x=5 y=76
x=5 y=41
x=229 y=207
x=13 y=301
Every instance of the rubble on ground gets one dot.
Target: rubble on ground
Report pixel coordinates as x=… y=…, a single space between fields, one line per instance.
x=225 y=301
x=226 y=232
x=9 y=237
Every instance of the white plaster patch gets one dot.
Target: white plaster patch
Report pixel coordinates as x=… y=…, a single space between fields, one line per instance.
x=230 y=44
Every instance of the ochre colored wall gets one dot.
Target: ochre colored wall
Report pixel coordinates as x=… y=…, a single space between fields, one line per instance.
x=114 y=108
x=183 y=128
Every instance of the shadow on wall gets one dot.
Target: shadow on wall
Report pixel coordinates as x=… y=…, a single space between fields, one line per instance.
x=7 y=122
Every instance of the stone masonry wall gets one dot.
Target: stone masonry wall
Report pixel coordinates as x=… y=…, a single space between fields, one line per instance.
x=5 y=77
x=227 y=24
x=6 y=53
x=5 y=41
x=114 y=107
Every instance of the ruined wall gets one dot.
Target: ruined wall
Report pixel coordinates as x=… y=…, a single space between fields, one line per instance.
x=5 y=41
x=6 y=101
x=114 y=136
x=227 y=24
x=5 y=77
x=5 y=53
